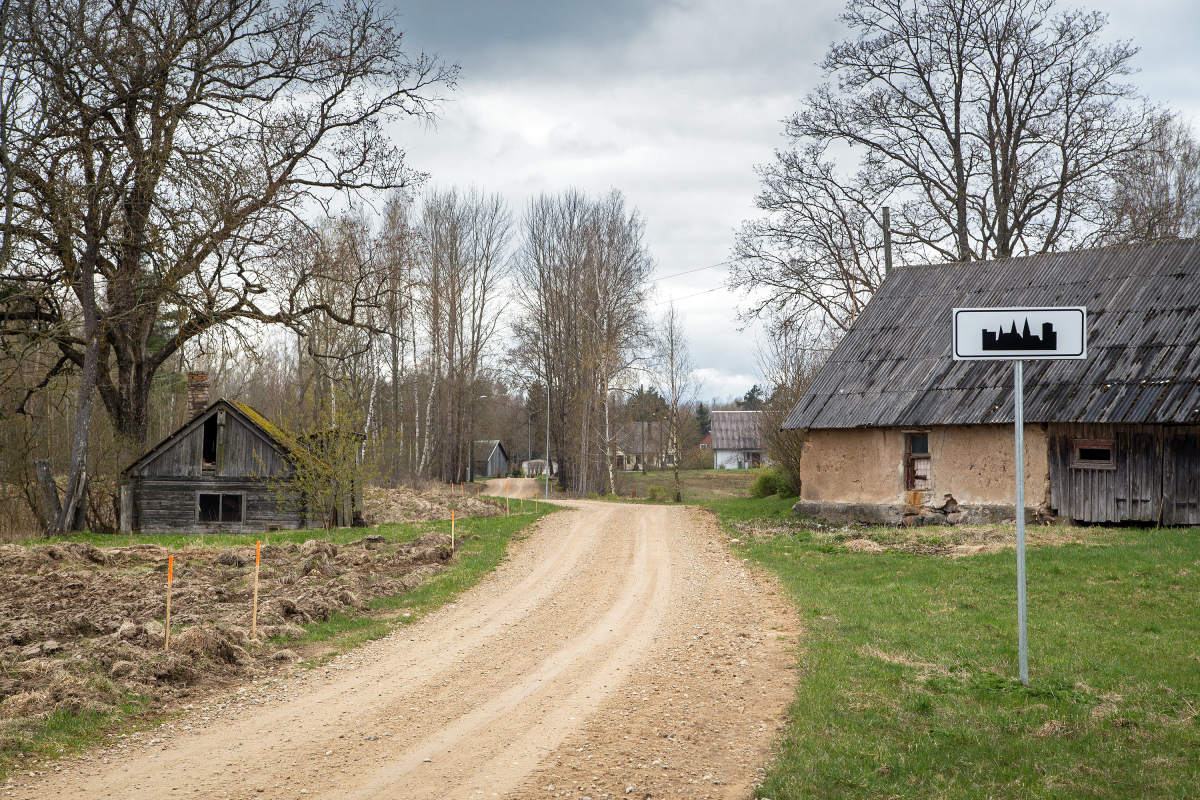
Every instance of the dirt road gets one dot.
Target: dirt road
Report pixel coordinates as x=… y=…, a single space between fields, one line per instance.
x=620 y=651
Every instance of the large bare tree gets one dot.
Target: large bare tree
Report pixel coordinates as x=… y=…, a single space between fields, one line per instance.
x=181 y=139
x=992 y=128
x=582 y=271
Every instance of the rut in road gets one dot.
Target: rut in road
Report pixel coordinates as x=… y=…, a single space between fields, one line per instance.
x=619 y=651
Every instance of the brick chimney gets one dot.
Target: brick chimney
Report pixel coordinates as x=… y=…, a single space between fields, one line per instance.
x=197 y=392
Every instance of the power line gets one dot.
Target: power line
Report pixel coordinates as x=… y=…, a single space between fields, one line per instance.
x=690 y=271
x=685 y=297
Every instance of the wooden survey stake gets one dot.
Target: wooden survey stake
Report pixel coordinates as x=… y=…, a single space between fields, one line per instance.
x=167 y=627
x=254 y=613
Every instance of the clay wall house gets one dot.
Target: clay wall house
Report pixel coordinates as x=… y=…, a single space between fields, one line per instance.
x=897 y=431
x=735 y=440
x=230 y=469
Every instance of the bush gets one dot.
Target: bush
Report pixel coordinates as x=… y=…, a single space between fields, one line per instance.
x=517 y=472
x=656 y=492
x=765 y=484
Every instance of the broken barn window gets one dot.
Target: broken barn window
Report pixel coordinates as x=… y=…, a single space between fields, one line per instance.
x=1092 y=454
x=224 y=507
x=916 y=473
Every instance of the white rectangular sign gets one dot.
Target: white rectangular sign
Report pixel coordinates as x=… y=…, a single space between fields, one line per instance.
x=1027 y=334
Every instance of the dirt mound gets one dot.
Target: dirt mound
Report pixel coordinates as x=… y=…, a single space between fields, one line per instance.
x=402 y=504
x=80 y=625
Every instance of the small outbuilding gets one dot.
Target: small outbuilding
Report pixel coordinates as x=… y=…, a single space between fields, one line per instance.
x=736 y=443
x=897 y=431
x=490 y=459
x=231 y=469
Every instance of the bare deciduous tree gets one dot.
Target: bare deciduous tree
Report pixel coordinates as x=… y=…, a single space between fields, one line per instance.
x=181 y=137
x=581 y=281
x=1157 y=191
x=992 y=127
x=676 y=378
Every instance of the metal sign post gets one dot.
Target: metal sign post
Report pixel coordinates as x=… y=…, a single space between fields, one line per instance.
x=1019 y=436
x=980 y=334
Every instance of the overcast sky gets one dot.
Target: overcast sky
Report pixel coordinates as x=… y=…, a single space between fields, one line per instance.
x=673 y=102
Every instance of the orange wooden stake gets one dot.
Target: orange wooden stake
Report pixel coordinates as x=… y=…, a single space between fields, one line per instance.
x=167 y=627
x=254 y=613
x=452 y=529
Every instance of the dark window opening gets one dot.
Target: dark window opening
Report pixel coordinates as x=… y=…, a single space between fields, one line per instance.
x=231 y=508
x=1093 y=454
x=209 y=508
x=226 y=508
x=916 y=467
x=210 y=440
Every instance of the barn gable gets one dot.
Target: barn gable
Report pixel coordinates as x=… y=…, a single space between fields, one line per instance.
x=225 y=440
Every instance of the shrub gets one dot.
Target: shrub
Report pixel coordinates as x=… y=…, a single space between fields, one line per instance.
x=765 y=484
x=517 y=472
x=656 y=492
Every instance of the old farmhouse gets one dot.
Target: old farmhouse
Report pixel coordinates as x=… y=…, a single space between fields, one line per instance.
x=231 y=469
x=897 y=431
x=735 y=441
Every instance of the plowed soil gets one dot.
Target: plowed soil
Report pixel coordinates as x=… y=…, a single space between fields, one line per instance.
x=620 y=651
x=80 y=625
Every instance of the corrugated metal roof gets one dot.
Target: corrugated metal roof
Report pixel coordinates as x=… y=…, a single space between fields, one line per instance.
x=735 y=430
x=894 y=367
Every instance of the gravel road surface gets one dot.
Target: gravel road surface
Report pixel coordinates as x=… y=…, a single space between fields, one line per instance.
x=619 y=651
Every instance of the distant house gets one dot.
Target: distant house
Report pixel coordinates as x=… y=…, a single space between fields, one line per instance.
x=490 y=460
x=641 y=444
x=229 y=469
x=897 y=431
x=735 y=440
x=706 y=442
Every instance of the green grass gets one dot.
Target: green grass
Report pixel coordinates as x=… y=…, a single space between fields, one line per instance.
x=23 y=742
x=907 y=669
x=696 y=485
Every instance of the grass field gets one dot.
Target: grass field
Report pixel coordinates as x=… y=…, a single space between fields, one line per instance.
x=696 y=485
x=908 y=663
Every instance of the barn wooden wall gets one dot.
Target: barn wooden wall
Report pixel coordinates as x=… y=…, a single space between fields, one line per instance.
x=1157 y=472
x=170 y=505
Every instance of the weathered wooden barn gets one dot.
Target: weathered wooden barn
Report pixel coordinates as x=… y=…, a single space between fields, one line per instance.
x=897 y=431
x=228 y=469
x=490 y=459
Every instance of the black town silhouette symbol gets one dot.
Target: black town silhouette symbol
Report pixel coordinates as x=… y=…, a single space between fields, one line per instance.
x=1011 y=340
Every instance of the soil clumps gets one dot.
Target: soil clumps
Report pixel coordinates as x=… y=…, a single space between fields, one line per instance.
x=82 y=626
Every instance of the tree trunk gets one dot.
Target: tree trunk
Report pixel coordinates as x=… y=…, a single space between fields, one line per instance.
x=51 y=506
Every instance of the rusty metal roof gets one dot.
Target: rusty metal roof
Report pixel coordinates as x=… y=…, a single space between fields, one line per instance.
x=736 y=430
x=893 y=368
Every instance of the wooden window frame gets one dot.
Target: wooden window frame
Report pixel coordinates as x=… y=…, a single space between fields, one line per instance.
x=220 y=503
x=1093 y=444
x=910 y=460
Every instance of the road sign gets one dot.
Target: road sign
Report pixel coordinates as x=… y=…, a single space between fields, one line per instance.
x=1019 y=334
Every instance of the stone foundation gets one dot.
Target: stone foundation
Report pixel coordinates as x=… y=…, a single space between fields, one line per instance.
x=900 y=514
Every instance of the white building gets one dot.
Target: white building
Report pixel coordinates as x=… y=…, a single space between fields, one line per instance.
x=735 y=440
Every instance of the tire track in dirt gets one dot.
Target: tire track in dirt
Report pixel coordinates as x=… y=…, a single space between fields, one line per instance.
x=572 y=658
